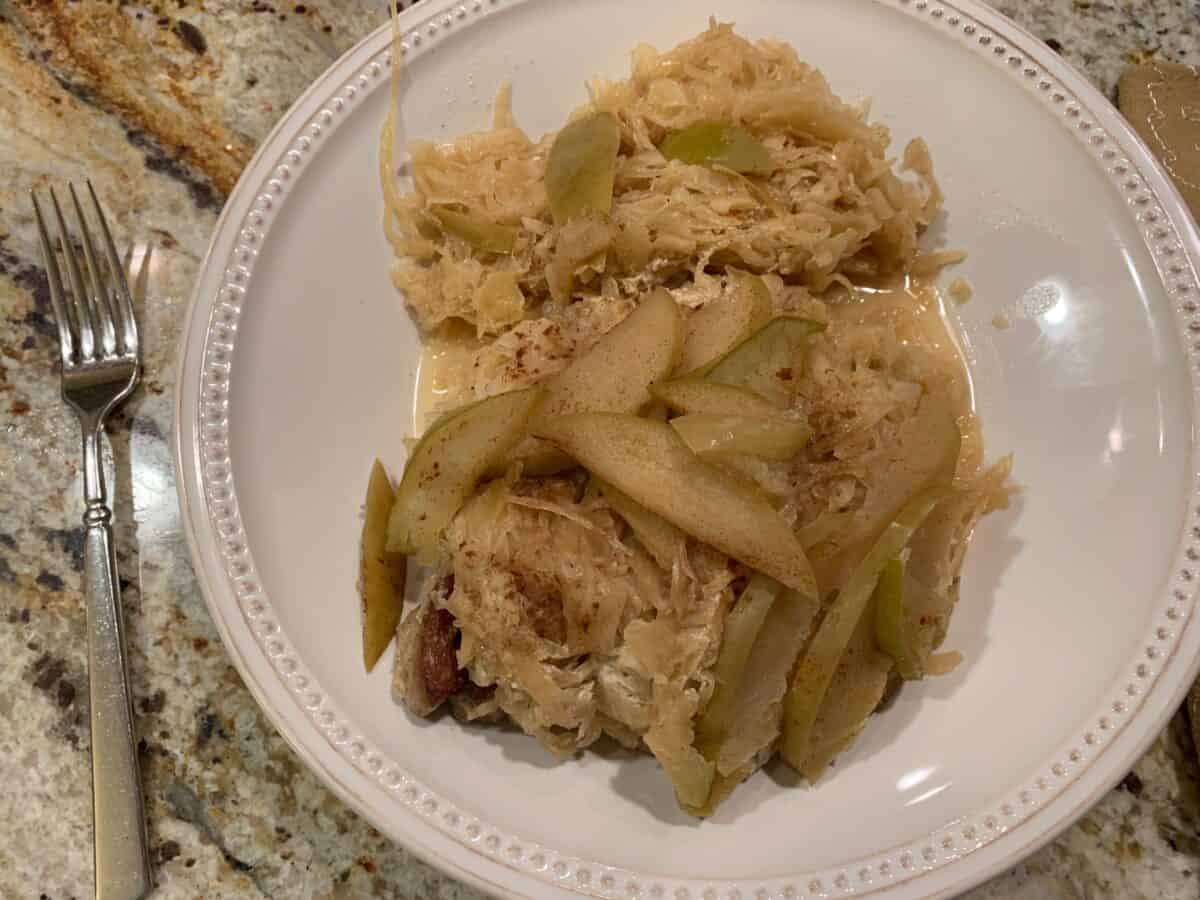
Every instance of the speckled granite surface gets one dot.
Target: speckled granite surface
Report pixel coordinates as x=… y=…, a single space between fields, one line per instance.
x=162 y=102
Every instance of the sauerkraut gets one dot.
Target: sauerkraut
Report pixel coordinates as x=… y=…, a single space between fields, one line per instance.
x=832 y=209
x=573 y=611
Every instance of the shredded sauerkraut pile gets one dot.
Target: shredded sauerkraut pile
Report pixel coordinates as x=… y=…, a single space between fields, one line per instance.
x=832 y=210
x=554 y=604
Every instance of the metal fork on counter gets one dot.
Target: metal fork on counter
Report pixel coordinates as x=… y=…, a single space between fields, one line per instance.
x=101 y=363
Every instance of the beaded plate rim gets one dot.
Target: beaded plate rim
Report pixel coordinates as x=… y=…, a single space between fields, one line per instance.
x=1172 y=244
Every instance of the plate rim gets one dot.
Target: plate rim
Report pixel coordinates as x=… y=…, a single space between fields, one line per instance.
x=485 y=876
x=360 y=71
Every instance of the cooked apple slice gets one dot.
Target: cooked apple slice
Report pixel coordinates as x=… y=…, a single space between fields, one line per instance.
x=891 y=621
x=909 y=618
x=479 y=233
x=448 y=463
x=768 y=359
x=722 y=324
x=660 y=538
x=381 y=574
x=856 y=689
x=613 y=376
x=925 y=453
x=698 y=396
x=580 y=243
x=671 y=738
x=752 y=726
x=742 y=626
x=651 y=463
x=581 y=167
x=718 y=144
x=757 y=710
x=716 y=436
x=816 y=669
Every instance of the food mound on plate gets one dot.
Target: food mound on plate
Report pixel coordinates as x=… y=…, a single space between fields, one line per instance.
x=704 y=480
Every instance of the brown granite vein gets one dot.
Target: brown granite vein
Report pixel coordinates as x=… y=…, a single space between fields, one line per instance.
x=147 y=76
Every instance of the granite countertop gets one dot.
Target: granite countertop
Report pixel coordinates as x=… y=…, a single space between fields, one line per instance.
x=162 y=102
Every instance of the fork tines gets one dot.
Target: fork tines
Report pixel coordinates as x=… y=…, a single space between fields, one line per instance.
x=95 y=317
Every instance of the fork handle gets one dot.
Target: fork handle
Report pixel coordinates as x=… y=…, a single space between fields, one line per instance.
x=122 y=860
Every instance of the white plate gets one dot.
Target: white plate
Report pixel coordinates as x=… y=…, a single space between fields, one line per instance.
x=1076 y=618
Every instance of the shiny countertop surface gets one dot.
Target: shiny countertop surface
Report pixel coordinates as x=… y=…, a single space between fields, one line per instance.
x=162 y=103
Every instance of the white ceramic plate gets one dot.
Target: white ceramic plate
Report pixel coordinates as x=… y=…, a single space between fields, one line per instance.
x=1076 y=618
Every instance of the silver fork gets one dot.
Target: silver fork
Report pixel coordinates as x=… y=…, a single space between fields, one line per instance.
x=101 y=362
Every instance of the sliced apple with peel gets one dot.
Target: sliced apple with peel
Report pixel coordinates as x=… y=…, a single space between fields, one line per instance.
x=722 y=324
x=742 y=626
x=926 y=450
x=613 y=376
x=581 y=167
x=768 y=359
x=718 y=144
x=859 y=684
x=381 y=574
x=891 y=622
x=660 y=538
x=479 y=233
x=753 y=723
x=651 y=463
x=448 y=463
x=810 y=682
x=699 y=396
x=716 y=436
